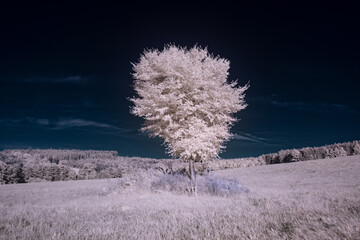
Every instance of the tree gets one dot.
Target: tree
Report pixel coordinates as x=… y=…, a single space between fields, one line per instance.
x=185 y=99
x=88 y=171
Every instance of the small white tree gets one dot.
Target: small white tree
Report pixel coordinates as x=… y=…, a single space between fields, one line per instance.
x=184 y=97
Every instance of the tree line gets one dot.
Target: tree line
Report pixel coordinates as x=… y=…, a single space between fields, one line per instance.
x=33 y=165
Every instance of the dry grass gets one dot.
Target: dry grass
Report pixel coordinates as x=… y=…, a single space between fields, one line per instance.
x=306 y=200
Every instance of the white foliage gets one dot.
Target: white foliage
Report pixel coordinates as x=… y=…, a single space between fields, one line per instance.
x=184 y=97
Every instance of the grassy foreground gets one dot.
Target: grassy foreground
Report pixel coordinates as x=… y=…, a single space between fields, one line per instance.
x=305 y=200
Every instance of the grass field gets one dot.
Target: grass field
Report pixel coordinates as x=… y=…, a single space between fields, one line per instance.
x=305 y=200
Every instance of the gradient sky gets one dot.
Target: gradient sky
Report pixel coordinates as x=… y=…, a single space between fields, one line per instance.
x=65 y=72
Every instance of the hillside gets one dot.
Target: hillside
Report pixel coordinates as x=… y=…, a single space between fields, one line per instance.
x=303 y=200
x=336 y=177
x=36 y=165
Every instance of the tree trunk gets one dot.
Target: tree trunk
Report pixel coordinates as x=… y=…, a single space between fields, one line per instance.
x=192 y=176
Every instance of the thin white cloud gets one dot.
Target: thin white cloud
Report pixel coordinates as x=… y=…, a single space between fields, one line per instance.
x=39 y=121
x=43 y=121
x=60 y=124
x=8 y=121
x=68 y=123
x=248 y=137
x=320 y=107
x=314 y=107
x=77 y=79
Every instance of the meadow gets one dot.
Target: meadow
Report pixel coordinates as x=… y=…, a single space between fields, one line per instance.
x=317 y=199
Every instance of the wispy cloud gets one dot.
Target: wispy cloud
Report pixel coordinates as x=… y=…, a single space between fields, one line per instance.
x=39 y=121
x=314 y=107
x=59 y=124
x=42 y=121
x=249 y=137
x=19 y=121
x=10 y=122
x=68 y=123
x=77 y=79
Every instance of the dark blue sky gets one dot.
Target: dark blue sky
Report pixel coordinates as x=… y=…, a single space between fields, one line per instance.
x=65 y=71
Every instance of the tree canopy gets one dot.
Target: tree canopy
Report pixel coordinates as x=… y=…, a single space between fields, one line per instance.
x=185 y=98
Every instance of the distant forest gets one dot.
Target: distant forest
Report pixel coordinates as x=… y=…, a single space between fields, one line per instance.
x=36 y=165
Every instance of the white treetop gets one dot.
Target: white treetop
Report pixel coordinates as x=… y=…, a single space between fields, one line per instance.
x=184 y=97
